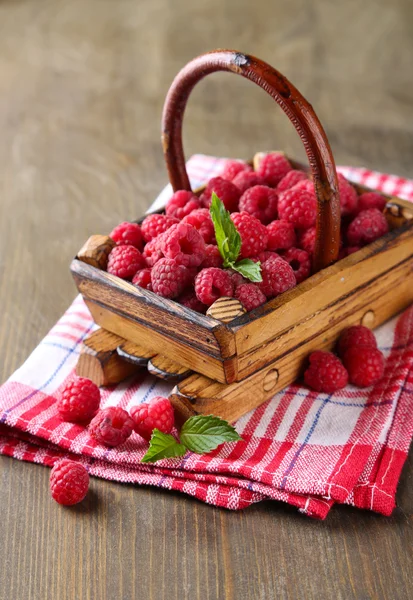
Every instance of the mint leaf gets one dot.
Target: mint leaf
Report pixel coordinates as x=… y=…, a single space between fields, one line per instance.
x=204 y=433
x=249 y=269
x=226 y=234
x=162 y=445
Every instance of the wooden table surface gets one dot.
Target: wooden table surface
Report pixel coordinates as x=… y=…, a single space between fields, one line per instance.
x=81 y=90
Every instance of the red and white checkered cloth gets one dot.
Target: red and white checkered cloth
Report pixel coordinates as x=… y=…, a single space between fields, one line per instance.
x=310 y=450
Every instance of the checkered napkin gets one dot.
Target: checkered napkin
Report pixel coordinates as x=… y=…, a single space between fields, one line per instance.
x=310 y=450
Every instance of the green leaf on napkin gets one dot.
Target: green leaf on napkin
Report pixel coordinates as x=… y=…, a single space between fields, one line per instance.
x=163 y=445
x=204 y=433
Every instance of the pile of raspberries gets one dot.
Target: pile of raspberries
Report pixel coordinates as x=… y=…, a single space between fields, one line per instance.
x=274 y=210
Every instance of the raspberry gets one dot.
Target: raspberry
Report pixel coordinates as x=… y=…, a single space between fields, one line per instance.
x=325 y=373
x=348 y=196
x=233 y=168
x=125 y=261
x=212 y=258
x=152 y=251
x=351 y=250
x=273 y=167
x=368 y=226
x=250 y=296
x=236 y=278
x=306 y=240
x=261 y=202
x=112 y=426
x=184 y=244
x=357 y=335
x=79 y=400
x=253 y=234
x=281 y=235
x=211 y=284
x=371 y=200
x=143 y=279
x=181 y=204
x=244 y=181
x=263 y=256
x=156 y=414
x=226 y=191
x=190 y=300
x=127 y=234
x=291 y=179
x=169 y=279
x=365 y=365
x=154 y=225
x=277 y=277
x=305 y=184
x=69 y=482
x=300 y=262
x=201 y=220
x=299 y=207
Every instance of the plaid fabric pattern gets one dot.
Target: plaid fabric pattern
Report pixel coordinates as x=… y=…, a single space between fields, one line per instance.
x=310 y=450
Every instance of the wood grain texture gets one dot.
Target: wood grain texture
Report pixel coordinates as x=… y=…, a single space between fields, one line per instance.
x=82 y=86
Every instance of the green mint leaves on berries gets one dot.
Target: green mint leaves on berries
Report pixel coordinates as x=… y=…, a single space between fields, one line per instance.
x=200 y=434
x=229 y=242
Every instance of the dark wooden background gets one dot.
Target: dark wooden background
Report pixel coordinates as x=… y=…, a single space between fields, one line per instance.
x=81 y=91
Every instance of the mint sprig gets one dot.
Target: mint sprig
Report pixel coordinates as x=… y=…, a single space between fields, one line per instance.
x=163 y=445
x=229 y=242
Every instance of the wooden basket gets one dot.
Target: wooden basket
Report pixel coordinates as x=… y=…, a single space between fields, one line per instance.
x=228 y=368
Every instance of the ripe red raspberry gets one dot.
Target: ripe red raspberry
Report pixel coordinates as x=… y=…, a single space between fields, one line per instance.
x=69 y=482
x=281 y=235
x=212 y=258
x=253 y=234
x=79 y=400
x=244 y=181
x=306 y=240
x=365 y=365
x=371 y=200
x=190 y=300
x=357 y=335
x=233 y=168
x=250 y=296
x=158 y=413
x=368 y=226
x=154 y=225
x=181 y=204
x=143 y=279
x=125 y=261
x=211 y=284
x=265 y=255
x=348 y=196
x=277 y=277
x=152 y=251
x=169 y=279
x=128 y=234
x=261 y=202
x=201 y=220
x=226 y=191
x=325 y=373
x=291 y=179
x=273 y=167
x=236 y=278
x=112 y=426
x=305 y=184
x=300 y=262
x=184 y=244
x=299 y=207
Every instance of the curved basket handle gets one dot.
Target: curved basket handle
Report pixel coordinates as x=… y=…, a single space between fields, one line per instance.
x=298 y=110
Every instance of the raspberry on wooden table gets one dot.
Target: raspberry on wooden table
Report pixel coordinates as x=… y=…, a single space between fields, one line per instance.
x=306 y=240
x=233 y=168
x=300 y=262
x=143 y=279
x=357 y=335
x=250 y=296
x=245 y=181
x=79 y=400
x=212 y=258
x=298 y=206
x=368 y=226
x=226 y=191
x=156 y=414
x=371 y=200
x=190 y=300
x=152 y=251
x=169 y=279
x=277 y=277
x=181 y=204
x=281 y=235
x=326 y=373
x=273 y=167
x=125 y=261
x=291 y=179
x=211 y=284
x=253 y=234
x=365 y=365
x=348 y=196
x=112 y=426
x=128 y=234
x=201 y=220
x=184 y=244
x=69 y=482
x=154 y=225
x=261 y=202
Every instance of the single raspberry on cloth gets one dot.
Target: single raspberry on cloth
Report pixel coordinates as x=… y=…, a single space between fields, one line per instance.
x=300 y=262
x=211 y=284
x=190 y=300
x=201 y=220
x=306 y=240
x=143 y=279
x=69 y=482
x=169 y=278
x=233 y=168
x=154 y=225
x=125 y=261
x=244 y=181
x=281 y=235
x=277 y=277
x=371 y=200
x=253 y=234
x=128 y=234
x=348 y=196
x=152 y=251
x=299 y=207
x=365 y=365
x=112 y=426
x=368 y=226
x=261 y=202
x=326 y=373
x=156 y=414
x=357 y=335
x=181 y=204
x=273 y=167
x=250 y=296
x=184 y=244
x=291 y=179
x=212 y=258
x=226 y=191
x=79 y=400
